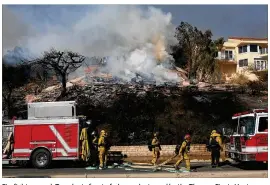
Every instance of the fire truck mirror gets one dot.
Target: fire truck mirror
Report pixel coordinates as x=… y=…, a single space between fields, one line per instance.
x=243 y=130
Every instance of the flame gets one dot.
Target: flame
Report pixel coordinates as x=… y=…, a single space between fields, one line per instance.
x=159 y=49
x=30 y=98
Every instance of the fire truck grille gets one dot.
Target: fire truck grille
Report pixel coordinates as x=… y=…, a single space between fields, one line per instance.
x=237 y=144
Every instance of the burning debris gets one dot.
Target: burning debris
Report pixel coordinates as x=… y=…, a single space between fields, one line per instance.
x=100 y=74
x=99 y=87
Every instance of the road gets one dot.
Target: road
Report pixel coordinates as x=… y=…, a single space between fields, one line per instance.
x=138 y=170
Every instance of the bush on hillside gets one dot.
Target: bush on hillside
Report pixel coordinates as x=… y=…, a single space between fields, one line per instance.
x=256 y=87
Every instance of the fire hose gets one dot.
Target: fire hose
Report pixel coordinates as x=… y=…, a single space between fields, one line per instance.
x=168 y=160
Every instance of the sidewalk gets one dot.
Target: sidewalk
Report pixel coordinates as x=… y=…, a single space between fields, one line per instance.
x=147 y=159
x=220 y=174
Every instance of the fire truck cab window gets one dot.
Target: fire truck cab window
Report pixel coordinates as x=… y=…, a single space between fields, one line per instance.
x=234 y=124
x=263 y=124
x=249 y=123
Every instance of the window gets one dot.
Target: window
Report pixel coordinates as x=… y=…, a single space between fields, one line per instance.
x=263 y=50
x=249 y=123
x=260 y=64
x=228 y=55
x=263 y=124
x=243 y=63
x=242 y=49
x=253 y=48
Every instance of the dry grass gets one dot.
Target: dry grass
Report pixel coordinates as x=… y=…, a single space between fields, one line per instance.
x=240 y=79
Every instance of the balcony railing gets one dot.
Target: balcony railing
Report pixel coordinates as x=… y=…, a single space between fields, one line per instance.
x=224 y=57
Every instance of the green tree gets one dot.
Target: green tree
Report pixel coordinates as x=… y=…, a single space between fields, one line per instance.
x=198 y=49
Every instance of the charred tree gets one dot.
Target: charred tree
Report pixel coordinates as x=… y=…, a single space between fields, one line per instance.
x=61 y=63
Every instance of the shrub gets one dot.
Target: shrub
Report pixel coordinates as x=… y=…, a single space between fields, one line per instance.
x=263 y=75
x=256 y=87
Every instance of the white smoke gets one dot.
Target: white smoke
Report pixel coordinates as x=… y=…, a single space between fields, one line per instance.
x=136 y=40
x=15 y=31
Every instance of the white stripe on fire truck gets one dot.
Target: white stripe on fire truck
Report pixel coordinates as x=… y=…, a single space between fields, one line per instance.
x=25 y=150
x=22 y=150
x=255 y=149
x=44 y=122
x=42 y=142
x=63 y=152
x=62 y=141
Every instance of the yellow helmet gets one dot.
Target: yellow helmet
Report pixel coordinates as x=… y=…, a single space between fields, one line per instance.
x=102 y=132
x=156 y=134
x=213 y=132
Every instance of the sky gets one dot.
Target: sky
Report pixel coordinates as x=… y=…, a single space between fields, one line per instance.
x=223 y=20
x=139 y=35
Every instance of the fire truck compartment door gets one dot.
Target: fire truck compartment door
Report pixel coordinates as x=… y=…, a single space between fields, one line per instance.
x=67 y=140
x=43 y=136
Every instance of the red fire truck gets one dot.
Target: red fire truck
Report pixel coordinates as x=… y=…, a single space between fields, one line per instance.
x=51 y=132
x=249 y=138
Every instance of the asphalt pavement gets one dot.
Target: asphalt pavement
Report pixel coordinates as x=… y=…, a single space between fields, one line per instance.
x=72 y=170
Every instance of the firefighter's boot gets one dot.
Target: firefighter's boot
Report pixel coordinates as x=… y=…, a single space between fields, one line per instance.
x=176 y=167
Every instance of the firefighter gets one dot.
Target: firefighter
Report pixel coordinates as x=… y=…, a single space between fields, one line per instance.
x=215 y=145
x=155 y=148
x=183 y=153
x=94 y=148
x=101 y=149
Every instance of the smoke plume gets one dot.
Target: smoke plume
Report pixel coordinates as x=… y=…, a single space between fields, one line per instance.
x=134 y=40
x=15 y=31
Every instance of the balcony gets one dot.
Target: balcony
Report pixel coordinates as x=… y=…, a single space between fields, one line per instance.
x=263 y=51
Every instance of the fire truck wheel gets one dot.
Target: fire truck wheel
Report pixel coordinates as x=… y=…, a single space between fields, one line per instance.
x=41 y=158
